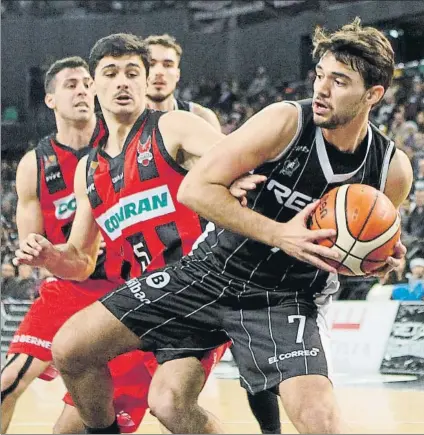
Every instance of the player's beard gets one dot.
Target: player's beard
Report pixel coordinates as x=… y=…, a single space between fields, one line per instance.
x=339 y=119
x=158 y=98
x=334 y=121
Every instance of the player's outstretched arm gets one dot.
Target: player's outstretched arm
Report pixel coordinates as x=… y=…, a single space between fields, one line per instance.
x=29 y=217
x=206 y=187
x=76 y=259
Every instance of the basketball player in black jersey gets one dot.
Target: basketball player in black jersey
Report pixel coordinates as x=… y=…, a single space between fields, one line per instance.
x=257 y=274
x=164 y=75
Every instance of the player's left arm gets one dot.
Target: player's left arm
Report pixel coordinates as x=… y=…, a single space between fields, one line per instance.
x=207 y=114
x=398 y=186
x=185 y=131
x=399 y=179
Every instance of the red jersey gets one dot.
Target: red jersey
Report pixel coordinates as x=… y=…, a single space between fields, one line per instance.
x=56 y=166
x=134 y=201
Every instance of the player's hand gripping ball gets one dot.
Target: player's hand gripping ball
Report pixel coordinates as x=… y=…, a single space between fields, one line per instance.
x=367 y=225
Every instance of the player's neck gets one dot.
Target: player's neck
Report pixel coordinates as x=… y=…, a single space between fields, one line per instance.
x=118 y=127
x=75 y=135
x=348 y=137
x=164 y=106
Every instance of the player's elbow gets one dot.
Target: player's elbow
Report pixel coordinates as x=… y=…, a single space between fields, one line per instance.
x=187 y=192
x=83 y=276
x=87 y=271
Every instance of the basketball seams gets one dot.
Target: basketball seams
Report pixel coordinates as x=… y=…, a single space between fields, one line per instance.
x=355 y=253
x=327 y=238
x=377 y=261
x=340 y=214
x=347 y=224
x=380 y=235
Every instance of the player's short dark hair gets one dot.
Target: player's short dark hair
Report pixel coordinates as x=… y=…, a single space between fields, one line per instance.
x=60 y=65
x=365 y=49
x=117 y=45
x=165 y=40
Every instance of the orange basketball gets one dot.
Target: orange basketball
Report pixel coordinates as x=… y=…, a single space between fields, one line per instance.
x=367 y=225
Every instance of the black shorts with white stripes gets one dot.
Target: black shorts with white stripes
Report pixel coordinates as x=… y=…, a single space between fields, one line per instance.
x=185 y=310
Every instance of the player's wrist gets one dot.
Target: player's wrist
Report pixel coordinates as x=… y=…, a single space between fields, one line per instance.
x=278 y=231
x=53 y=258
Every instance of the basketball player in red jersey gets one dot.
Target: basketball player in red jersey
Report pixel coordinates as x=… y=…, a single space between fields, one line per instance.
x=45 y=185
x=164 y=75
x=123 y=185
x=46 y=205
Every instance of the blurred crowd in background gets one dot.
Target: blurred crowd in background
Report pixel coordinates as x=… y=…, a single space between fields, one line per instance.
x=400 y=116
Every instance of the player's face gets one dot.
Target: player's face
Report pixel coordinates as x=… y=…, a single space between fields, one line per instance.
x=73 y=95
x=164 y=73
x=120 y=84
x=339 y=93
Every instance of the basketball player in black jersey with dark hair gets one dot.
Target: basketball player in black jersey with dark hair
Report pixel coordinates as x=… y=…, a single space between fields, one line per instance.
x=164 y=75
x=257 y=274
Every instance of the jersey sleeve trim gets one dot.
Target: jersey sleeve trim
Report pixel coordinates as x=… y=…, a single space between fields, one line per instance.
x=162 y=148
x=297 y=134
x=38 y=160
x=390 y=150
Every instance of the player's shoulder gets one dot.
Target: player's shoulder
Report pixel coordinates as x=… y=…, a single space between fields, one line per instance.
x=286 y=107
x=378 y=133
x=45 y=143
x=399 y=178
x=282 y=114
x=27 y=174
x=28 y=161
x=174 y=118
x=401 y=161
x=200 y=110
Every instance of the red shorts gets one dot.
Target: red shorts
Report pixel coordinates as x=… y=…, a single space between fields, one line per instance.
x=132 y=374
x=59 y=300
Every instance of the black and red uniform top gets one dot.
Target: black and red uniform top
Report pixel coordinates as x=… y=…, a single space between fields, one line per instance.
x=56 y=166
x=134 y=201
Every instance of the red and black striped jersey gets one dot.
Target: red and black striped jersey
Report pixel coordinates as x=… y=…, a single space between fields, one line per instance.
x=134 y=201
x=55 y=187
x=56 y=166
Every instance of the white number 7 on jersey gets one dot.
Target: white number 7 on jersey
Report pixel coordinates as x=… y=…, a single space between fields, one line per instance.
x=301 y=329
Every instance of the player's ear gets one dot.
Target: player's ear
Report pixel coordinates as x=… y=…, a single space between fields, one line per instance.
x=375 y=94
x=178 y=74
x=50 y=101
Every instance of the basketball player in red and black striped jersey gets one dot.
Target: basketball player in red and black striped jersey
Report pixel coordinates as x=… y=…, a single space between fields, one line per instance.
x=164 y=75
x=129 y=187
x=46 y=204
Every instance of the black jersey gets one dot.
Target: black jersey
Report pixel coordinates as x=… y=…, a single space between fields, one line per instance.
x=302 y=173
x=183 y=105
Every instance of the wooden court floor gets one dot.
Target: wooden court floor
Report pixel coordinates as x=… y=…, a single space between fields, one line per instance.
x=371 y=409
